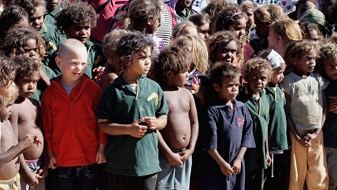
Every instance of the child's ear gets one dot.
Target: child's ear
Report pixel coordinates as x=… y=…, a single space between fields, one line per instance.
x=58 y=61
x=216 y=87
x=169 y=74
x=150 y=21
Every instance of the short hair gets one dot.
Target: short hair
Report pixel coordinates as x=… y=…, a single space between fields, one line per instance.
x=199 y=19
x=258 y=63
x=248 y=5
x=198 y=49
x=269 y=13
x=178 y=29
x=214 y=7
x=297 y=49
x=227 y=17
x=7 y=70
x=69 y=45
x=307 y=26
x=11 y=16
x=171 y=58
x=327 y=50
x=17 y=37
x=220 y=39
x=76 y=13
x=31 y=5
x=221 y=71
x=140 y=10
x=26 y=67
x=129 y=45
x=288 y=29
x=110 y=42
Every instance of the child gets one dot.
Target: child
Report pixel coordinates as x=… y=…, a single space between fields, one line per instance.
x=227 y=134
x=144 y=16
x=234 y=20
x=199 y=59
x=68 y=114
x=36 y=10
x=305 y=113
x=76 y=21
x=7 y=76
x=249 y=7
x=183 y=29
x=224 y=47
x=183 y=9
x=131 y=111
x=327 y=63
x=28 y=42
x=10 y=147
x=277 y=128
x=311 y=31
x=177 y=140
x=26 y=119
x=202 y=22
x=257 y=74
x=112 y=69
x=281 y=33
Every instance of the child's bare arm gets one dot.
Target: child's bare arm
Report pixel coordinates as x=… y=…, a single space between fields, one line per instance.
x=100 y=155
x=268 y=158
x=194 y=130
x=237 y=163
x=29 y=176
x=154 y=123
x=17 y=149
x=225 y=167
x=173 y=159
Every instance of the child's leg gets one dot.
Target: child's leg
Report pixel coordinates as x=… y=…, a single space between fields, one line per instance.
x=317 y=176
x=331 y=159
x=298 y=164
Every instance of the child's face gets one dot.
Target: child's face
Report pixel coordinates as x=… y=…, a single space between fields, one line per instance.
x=257 y=80
x=273 y=40
x=250 y=14
x=239 y=28
x=73 y=65
x=330 y=68
x=306 y=64
x=229 y=88
x=277 y=76
x=183 y=4
x=81 y=31
x=31 y=50
x=312 y=35
x=27 y=86
x=189 y=30
x=6 y=111
x=203 y=31
x=226 y=53
x=7 y=90
x=140 y=62
x=179 y=80
x=37 y=18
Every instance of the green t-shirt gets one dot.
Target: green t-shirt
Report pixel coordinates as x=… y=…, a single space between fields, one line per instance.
x=120 y=103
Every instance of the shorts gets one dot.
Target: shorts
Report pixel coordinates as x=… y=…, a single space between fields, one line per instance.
x=11 y=184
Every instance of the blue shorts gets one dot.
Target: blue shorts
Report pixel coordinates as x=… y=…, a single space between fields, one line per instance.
x=174 y=177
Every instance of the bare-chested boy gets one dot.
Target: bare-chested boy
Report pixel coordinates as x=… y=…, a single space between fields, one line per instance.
x=25 y=120
x=10 y=148
x=177 y=140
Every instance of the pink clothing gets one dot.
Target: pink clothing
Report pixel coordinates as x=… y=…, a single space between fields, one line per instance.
x=70 y=122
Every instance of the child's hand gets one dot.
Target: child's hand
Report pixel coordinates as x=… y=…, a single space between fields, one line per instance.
x=138 y=129
x=31 y=179
x=100 y=157
x=332 y=104
x=305 y=141
x=268 y=159
x=174 y=159
x=52 y=161
x=226 y=169
x=185 y=154
x=151 y=122
x=237 y=166
x=29 y=140
x=42 y=173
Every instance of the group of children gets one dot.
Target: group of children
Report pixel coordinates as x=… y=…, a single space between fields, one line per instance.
x=220 y=105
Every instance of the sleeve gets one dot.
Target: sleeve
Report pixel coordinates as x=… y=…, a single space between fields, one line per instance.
x=285 y=85
x=102 y=137
x=209 y=135
x=323 y=82
x=247 y=132
x=105 y=106
x=47 y=119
